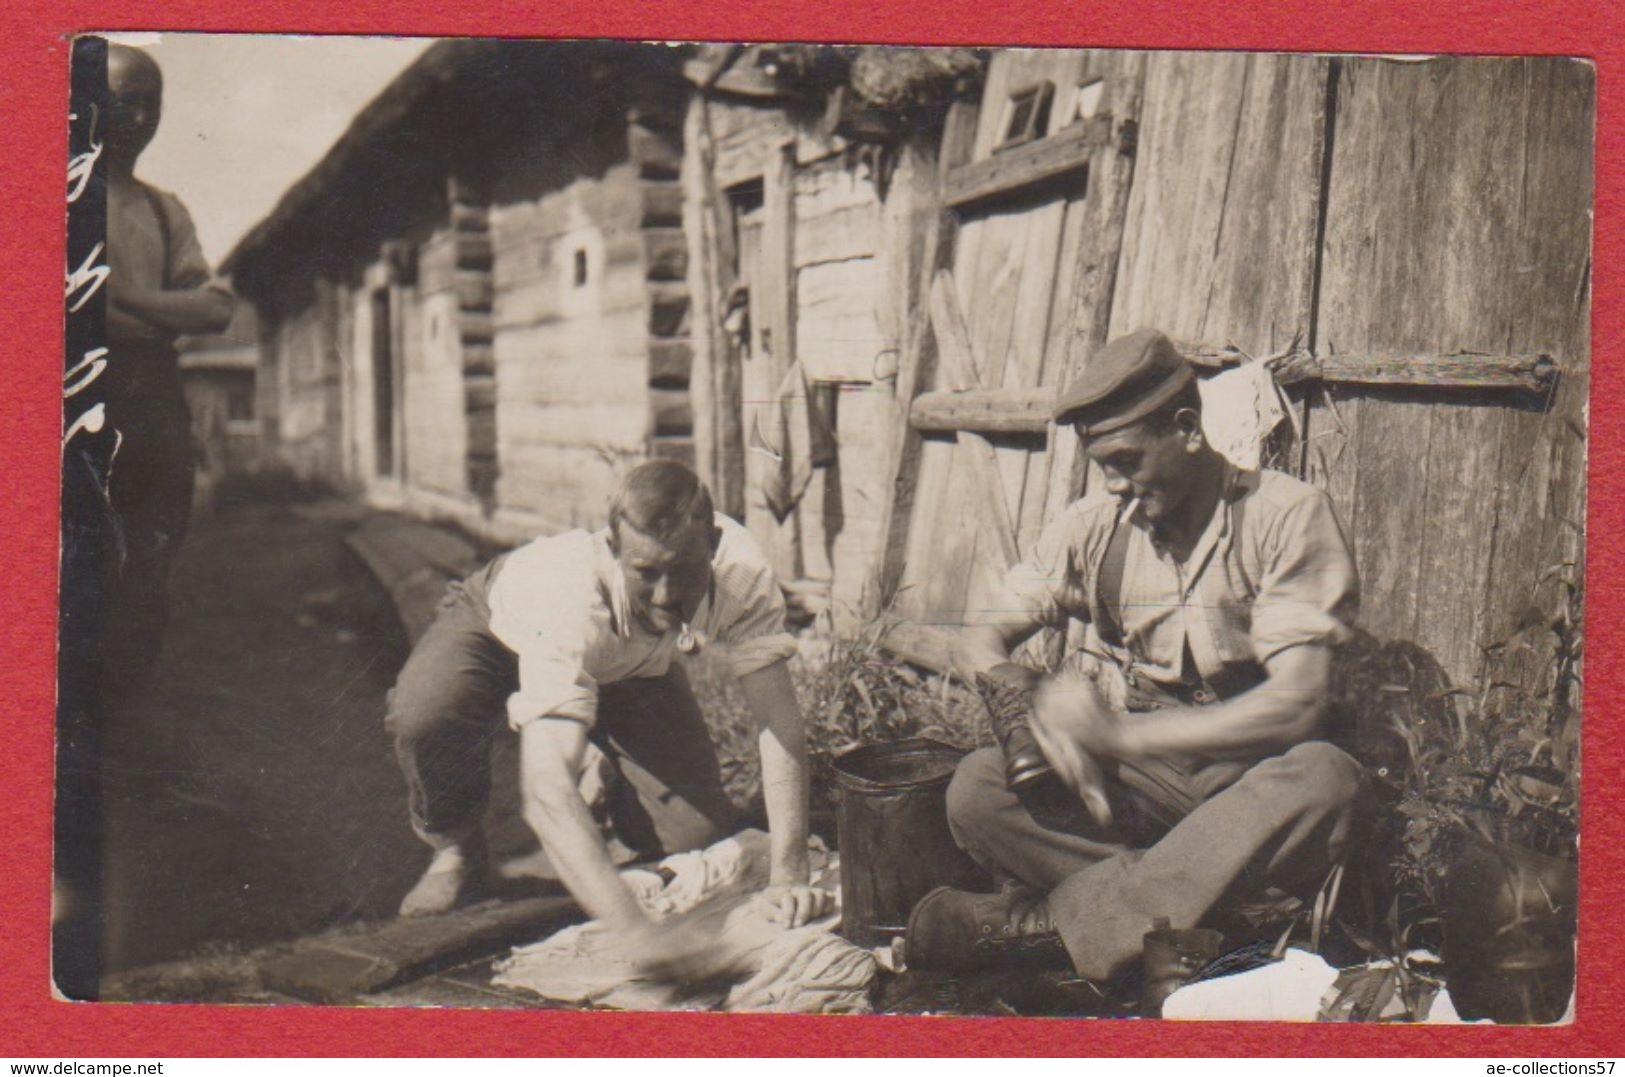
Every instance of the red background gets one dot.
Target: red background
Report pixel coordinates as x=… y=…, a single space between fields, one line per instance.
x=33 y=43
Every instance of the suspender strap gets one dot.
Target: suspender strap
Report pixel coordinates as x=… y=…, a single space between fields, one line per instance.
x=1109 y=585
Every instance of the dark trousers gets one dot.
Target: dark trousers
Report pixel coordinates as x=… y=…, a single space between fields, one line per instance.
x=149 y=490
x=663 y=783
x=1184 y=841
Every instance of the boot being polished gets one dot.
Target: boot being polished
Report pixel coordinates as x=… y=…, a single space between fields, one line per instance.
x=1007 y=691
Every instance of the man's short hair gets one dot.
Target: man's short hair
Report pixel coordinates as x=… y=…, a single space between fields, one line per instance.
x=660 y=498
x=1163 y=418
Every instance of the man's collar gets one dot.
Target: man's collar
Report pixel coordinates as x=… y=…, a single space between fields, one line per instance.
x=611 y=584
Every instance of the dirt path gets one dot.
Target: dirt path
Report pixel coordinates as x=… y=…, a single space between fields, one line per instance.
x=251 y=793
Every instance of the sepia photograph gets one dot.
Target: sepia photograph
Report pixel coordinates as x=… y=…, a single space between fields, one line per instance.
x=870 y=529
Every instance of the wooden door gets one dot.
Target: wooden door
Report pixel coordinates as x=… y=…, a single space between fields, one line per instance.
x=1005 y=309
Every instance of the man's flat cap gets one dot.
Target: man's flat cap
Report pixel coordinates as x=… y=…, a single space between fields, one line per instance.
x=1128 y=379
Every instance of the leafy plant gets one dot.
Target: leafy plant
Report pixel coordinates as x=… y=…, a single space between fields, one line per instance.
x=851 y=692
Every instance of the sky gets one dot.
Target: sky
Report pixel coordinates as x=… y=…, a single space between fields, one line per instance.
x=246 y=115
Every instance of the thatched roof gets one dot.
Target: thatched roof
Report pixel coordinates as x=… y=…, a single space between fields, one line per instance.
x=880 y=77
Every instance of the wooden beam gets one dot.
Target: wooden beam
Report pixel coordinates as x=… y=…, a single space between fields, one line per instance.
x=1460 y=370
x=1014 y=170
x=1528 y=373
x=1027 y=411
x=984 y=411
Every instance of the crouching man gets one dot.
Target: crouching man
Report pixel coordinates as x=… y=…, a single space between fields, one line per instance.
x=573 y=638
x=1199 y=776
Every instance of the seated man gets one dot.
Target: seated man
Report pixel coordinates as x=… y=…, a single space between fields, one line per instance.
x=573 y=637
x=1217 y=595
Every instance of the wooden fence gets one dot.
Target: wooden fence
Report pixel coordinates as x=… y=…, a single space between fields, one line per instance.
x=1421 y=227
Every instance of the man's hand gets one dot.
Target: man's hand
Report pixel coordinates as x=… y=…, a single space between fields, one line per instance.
x=795 y=904
x=1074 y=726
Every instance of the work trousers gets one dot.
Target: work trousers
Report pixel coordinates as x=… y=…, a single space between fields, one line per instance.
x=663 y=784
x=149 y=489
x=1186 y=840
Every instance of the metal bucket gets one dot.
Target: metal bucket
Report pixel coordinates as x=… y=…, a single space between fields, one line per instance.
x=891 y=815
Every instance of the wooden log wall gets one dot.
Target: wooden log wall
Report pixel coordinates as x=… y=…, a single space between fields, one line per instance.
x=572 y=317
x=436 y=418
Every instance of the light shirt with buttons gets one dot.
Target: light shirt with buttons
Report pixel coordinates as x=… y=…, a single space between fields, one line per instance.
x=1272 y=570
x=560 y=604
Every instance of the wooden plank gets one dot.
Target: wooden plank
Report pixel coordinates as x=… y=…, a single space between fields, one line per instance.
x=1018 y=170
x=1101 y=219
x=718 y=435
x=1027 y=410
x=1219 y=235
x=342 y=964
x=1521 y=373
x=961 y=367
x=1452 y=539
x=773 y=306
x=1029 y=340
x=984 y=411
x=919 y=173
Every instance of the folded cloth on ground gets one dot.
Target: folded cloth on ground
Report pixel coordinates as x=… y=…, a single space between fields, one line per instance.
x=802 y=970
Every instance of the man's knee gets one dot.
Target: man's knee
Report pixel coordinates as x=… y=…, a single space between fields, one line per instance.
x=425 y=700
x=975 y=793
x=1325 y=777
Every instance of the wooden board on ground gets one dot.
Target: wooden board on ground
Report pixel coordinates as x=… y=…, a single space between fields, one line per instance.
x=342 y=965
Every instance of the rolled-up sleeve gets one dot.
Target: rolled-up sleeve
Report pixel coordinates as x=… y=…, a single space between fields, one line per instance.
x=553 y=679
x=753 y=634
x=187 y=268
x=1048 y=585
x=1310 y=592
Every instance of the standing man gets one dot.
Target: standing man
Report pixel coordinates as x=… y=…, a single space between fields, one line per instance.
x=573 y=637
x=159 y=287
x=1217 y=596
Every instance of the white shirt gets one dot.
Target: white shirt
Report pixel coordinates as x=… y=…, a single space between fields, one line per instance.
x=560 y=604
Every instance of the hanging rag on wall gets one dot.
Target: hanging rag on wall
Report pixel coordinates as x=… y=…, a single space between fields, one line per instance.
x=792 y=430
x=1240 y=409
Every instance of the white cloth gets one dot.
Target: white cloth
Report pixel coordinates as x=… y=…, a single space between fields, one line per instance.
x=1286 y=990
x=1240 y=408
x=801 y=970
x=560 y=604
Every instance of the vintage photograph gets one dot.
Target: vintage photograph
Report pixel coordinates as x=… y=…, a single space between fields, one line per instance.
x=823 y=529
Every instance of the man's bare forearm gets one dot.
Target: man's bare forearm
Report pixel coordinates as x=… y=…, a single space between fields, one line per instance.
x=785 y=783
x=555 y=811
x=1283 y=711
x=198 y=310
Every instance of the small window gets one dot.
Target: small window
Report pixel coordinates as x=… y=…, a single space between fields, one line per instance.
x=581 y=267
x=1028 y=114
x=240 y=405
x=1089 y=95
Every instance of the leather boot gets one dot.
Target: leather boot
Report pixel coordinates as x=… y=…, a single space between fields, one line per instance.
x=957 y=931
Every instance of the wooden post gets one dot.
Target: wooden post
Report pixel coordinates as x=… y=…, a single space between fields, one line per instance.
x=716 y=376
x=936 y=224
x=776 y=307
x=1111 y=177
